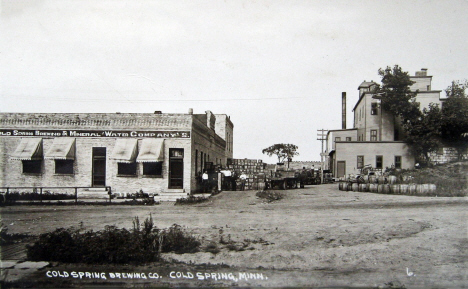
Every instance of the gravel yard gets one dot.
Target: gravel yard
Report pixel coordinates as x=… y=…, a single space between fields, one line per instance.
x=317 y=236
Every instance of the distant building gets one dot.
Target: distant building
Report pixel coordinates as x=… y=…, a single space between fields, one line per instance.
x=376 y=138
x=156 y=153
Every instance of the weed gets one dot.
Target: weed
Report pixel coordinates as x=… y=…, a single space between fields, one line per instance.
x=270 y=196
x=144 y=243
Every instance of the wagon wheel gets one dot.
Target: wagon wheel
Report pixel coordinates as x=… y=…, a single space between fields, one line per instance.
x=284 y=185
x=294 y=185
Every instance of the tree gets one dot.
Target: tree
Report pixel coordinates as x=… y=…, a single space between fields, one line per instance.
x=422 y=128
x=454 y=117
x=396 y=95
x=423 y=132
x=282 y=151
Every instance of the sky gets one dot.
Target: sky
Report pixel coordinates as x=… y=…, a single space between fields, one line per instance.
x=277 y=68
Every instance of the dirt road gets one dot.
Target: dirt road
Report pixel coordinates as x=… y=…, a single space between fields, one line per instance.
x=317 y=236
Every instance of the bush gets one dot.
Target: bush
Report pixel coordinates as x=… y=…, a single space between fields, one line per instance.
x=270 y=196
x=142 y=244
x=191 y=200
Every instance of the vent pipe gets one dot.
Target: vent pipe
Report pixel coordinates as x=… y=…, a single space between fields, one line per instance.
x=343 y=113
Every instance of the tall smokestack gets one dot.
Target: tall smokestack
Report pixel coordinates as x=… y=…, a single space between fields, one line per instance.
x=343 y=113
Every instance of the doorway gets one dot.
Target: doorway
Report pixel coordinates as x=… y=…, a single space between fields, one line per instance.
x=340 y=169
x=176 y=168
x=99 y=167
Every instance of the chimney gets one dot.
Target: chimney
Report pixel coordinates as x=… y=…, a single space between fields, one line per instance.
x=423 y=72
x=343 y=113
x=190 y=111
x=157 y=112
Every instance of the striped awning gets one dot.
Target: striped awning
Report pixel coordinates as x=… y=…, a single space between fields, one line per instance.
x=125 y=150
x=152 y=150
x=62 y=149
x=29 y=149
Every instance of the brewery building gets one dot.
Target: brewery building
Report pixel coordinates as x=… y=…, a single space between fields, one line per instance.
x=153 y=152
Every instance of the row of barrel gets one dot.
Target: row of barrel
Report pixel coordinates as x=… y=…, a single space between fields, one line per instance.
x=396 y=189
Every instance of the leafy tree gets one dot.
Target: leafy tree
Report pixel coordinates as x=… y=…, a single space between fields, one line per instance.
x=423 y=132
x=396 y=95
x=454 y=117
x=282 y=151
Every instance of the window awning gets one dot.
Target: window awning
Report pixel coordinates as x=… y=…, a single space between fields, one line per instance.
x=152 y=150
x=125 y=150
x=29 y=149
x=62 y=149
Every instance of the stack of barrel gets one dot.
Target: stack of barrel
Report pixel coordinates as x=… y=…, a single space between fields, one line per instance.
x=385 y=185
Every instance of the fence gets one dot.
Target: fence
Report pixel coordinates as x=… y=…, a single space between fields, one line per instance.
x=5 y=196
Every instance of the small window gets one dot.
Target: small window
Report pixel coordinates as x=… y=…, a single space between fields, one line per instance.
x=378 y=162
x=152 y=169
x=348 y=138
x=177 y=153
x=337 y=138
x=397 y=162
x=127 y=169
x=374 y=108
x=373 y=135
x=64 y=167
x=360 y=162
x=32 y=167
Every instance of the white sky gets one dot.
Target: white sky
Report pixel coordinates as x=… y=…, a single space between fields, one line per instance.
x=276 y=67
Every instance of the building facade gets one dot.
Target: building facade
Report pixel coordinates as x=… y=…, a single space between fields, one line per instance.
x=376 y=138
x=128 y=152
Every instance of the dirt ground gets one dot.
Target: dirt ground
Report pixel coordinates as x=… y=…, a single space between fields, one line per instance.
x=314 y=237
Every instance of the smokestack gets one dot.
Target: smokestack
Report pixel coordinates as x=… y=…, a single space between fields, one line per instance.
x=343 y=113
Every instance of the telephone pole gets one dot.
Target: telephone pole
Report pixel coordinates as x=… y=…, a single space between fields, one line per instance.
x=322 y=136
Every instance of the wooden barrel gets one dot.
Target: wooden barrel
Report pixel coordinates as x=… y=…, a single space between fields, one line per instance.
x=381 y=180
x=395 y=189
x=355 y=187
x=349 y=186
x=392 y=180
x=342 y=186
x=372 y=179
x=364 y=187
x=411 y=189
x=366 y=178
x=383 y=189
x=425 y=189
x=403 y=189
x=373 y=188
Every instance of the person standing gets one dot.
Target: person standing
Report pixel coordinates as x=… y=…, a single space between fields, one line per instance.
x=243 y=178
x=205 y=181
x=227 y=180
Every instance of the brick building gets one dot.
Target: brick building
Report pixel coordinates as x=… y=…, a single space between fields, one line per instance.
x=126 y=151
x=377 y=136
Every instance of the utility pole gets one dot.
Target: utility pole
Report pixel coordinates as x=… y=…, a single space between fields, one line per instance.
x=321 y=136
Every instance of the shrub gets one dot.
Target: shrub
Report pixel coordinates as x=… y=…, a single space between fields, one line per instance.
x=270 y=196
x=142 y=244
x=191 y=200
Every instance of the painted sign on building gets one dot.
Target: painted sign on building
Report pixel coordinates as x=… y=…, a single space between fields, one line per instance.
x=95 y=133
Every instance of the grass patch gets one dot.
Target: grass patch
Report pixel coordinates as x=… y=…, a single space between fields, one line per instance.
x=142 y=244
x=7 y=238
x=191 y=200
x=270 y=196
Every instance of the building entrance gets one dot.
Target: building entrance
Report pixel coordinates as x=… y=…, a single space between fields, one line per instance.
x=341 y=169
x=176 y=168
x=99 y=167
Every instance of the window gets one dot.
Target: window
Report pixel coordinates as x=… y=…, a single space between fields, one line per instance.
x=32 y=167
x=64 y=167
x=397 y=162
x=373 y=135
x=360 y=162
x=337 y=138
x=152 y=169
x=396 y=134
x=378 y=162
x=348 y=138
x=127 y=169
x=374 y=108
